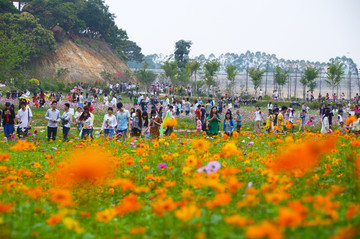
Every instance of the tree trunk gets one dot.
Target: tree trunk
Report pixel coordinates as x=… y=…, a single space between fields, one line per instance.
x=196 y=84
x=304 y=89
x=266 y=80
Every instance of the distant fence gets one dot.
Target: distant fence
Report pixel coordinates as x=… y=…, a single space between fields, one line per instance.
x=350 y=84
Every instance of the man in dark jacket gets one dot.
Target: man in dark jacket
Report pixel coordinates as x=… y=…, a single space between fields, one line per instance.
x=8 y=116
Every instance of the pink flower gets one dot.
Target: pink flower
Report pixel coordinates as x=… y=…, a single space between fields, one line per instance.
x=162 y=165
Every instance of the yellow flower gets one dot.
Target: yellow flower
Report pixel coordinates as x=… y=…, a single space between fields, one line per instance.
x=106 y=215
x=73 y=224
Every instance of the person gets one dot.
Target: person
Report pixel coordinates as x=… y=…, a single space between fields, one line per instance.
x=109 y=123
x=65 y=121
x=260 y=95
x=145 y=124
x=291 y=118
x=187 y=106
x=269 y=126
x=258 y=118
x=340 y=116
x=208 y=108
x=123 y=119
x=81 y=100
x=155 y=123
x=198 y=125
x=23 y=117
x=198 y=112
x=302 y=117
x=114 y=101
x=238 y=121
x=221 y=105
x=325 y=127
x=280 y=120
x=53 y=117
x=229 y=124
x=310 y=121
x=8 y=116
x=137 y=124
x=77 y=121
x=170 y=112
x=270 y=107
x=213 y=121
x=86 y=121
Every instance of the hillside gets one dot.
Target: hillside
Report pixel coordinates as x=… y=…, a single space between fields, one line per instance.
x=80 y=62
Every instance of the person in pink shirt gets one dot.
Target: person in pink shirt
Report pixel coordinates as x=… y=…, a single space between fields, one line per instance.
x=198 y=125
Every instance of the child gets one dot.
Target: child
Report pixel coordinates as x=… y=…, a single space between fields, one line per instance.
x=302 y=117
x=310 y=121
x=238 y=121
x=198 y=125
x=229 y=124
x=269 y=126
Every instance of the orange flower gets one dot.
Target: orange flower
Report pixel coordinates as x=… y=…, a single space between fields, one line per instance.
x=54 y=219
x=229 y=150
x=201 y=145
x=288 y=217
x=236 y=220
x=351 y=119
x=37 y=165
x=127 y=205
x=124 y=183
x=345 y=233
x=137 y=230
x=264 y=229
x=61 y=196
x=170 y=122
x=220 y=199
x=302 y=156
x=5 y=207
x=187 y=213
x=4 y=157
x=90 y=166
x=162 y=206
x=23 y=145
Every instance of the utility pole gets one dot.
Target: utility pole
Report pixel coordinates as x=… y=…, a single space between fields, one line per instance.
x=296 y=70
x=247 y=74
x=267 y=68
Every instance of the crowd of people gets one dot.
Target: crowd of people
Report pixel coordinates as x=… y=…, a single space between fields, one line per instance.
x=149 y=112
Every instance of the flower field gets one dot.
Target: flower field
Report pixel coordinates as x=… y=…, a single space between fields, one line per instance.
x=246 y=186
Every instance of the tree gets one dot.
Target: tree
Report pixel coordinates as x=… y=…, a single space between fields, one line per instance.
x=14 y=53
x=334 y=73
x=193 y=66
x=132 y=51
x=21 y=39
x=182 y=50
x=144 y=76
x=256 y=75
x=308 y=80
x=280 y=78
x=170 y=70
x=231 y=73
x=7 y=6
x=210 y=69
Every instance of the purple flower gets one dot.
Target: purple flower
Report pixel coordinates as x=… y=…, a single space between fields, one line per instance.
x=162 y=165
x=110 y=138
x=212 y=167
x=201 y=170
x=249 y=185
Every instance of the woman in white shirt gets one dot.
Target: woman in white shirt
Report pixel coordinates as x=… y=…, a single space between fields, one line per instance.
x=78 y=113
x=109 y=123
x=86 y=120
x=325 y=124
x=258 y=118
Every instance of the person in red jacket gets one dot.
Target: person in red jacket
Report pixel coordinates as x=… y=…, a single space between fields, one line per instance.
x=198 y=112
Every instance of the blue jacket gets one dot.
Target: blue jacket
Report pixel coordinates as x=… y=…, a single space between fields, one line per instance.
x=232 y=126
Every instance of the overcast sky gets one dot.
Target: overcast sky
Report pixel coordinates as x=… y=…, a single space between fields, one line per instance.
x=315 y=30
